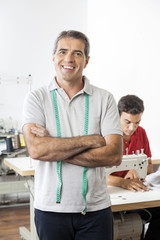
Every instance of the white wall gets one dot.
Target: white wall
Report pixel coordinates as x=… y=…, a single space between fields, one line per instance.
x=125 y=49
x=125 y=54
x=28 y=29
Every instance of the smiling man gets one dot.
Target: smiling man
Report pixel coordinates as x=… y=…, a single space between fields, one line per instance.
x=82 y=136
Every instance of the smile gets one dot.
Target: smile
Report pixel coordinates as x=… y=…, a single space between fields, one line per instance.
x=68 y=67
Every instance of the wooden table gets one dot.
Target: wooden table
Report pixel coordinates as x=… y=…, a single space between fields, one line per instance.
x=123 y=200
x=23 y=165
x=156 y=161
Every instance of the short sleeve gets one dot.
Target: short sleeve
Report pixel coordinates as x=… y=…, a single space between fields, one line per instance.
x=33 y=110
x=110 y=121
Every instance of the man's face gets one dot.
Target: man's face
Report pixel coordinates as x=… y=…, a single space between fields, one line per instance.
x=70 y=60
x=129 y=123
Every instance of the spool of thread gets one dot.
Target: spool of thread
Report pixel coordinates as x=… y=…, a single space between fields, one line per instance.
x=9 y=145
x=17 y=143
x=22 y=141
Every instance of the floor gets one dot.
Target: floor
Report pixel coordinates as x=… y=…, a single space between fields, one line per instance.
x=11 y=218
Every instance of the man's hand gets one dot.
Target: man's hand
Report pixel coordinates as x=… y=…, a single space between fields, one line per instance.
x=133 y=184
x=39 y=131
x=131 y=175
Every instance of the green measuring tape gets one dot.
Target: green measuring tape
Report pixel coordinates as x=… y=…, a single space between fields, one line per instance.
x=59 y=163
x=86 y=123
x=58 y=168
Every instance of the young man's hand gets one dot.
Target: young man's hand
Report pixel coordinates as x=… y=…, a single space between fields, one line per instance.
x=131 y=175
x=133 y=184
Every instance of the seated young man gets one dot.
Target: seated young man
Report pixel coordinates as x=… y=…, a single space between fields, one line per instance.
x=131 y=109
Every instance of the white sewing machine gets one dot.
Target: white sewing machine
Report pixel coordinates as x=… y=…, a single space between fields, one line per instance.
x=138 y=162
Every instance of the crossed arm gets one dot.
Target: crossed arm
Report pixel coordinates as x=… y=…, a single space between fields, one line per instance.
x=90 y=151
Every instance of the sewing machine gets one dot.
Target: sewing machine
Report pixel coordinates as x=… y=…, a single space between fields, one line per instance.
x=129 y=225
x=138 y=162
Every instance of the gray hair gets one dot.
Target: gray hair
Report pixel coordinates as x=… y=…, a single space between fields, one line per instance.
x=76 y=35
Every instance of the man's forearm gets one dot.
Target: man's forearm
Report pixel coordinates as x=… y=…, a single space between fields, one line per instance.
x=60 y=149
x=108 y=155
x=95 y=158
x=56 y=149
x=115 y=181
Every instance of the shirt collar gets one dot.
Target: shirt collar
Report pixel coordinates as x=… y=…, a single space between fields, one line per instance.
x=87 y=86
x=53 y=85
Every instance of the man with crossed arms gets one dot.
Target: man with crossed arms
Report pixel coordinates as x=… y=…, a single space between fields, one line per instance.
x=71 y=197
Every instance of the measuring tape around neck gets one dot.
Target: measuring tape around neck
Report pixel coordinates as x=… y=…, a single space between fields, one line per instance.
x=86 y=124
x=59 y=165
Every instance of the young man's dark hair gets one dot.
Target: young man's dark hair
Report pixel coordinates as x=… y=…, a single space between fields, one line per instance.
x=76 y=35
x=130 y=104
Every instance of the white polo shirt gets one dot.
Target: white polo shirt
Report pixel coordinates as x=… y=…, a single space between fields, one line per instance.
x=103 y=120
